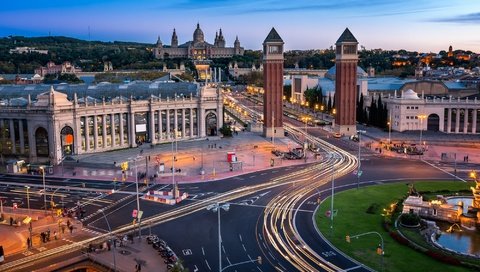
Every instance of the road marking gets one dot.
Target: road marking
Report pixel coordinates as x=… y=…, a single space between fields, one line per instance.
x=240 y=237
x=264 y=245
x=228 y=260
x=252 y=176
x=187 y=252
x=223 y=248
x=203 y=251
x=352 y=268
x=244 y=248
x=270 y=253
x=250 y=258
x=195 y=269
x=259 y=269
x=263 y=174
x=457 y=177
x=207 y=264
x=274 y=171
x=328 y=253
x=27 y=253
x=260 y=236
x=282 y=266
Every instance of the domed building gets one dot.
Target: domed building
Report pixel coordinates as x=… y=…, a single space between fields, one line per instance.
x=198 y=48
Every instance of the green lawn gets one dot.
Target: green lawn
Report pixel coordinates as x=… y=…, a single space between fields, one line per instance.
x=352 y=219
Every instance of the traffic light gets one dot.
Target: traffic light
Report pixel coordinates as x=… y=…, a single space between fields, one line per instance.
x=259 y=259
x=347 y=238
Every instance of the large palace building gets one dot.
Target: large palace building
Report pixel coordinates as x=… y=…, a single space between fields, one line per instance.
x=198 y=49
x=40 y=122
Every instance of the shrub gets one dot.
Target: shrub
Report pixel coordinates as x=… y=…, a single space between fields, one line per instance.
x=410 y=219
x=373 y=208
x=443 y=257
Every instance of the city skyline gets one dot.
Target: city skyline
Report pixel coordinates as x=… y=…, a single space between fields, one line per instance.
x=424 y=26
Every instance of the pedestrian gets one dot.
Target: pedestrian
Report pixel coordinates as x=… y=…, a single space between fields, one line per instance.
x=71 y=229
x=63 y=229
x=55 y=234
x=48 y=235
x=42 y=236
x=68 y=223
x=11 y=221
x=28 y=242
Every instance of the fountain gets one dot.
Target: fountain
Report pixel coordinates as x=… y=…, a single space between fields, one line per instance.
x=457 y=217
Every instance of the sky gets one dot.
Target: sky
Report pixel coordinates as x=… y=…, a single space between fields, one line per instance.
x=414 y=25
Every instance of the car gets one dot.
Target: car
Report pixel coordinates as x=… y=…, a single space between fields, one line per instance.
x=337 y=135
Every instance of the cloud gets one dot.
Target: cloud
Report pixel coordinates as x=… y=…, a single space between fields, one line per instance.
x=471 y=18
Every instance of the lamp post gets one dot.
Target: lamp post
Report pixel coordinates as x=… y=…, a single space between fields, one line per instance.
x=174 y=155
x=110 y=232
x=216 y=208
x=389 y=123
x=421 y=117
x=381 y=247
x=28 y=199
x=359 y=172
x=44 y=189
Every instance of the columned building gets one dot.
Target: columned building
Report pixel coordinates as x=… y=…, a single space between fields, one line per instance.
x=60 y=123
x=273 y=85
x=448 y=115
x=346 y=84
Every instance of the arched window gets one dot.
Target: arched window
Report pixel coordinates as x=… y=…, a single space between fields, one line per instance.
x=211 y=124
x=41 y=141
x=67 y=138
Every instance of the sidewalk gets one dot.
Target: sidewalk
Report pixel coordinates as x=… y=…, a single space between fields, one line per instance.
x=14 y=238
x=253 y=153
x=128 y=256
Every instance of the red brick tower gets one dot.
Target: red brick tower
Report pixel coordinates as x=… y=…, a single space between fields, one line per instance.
x=273 y=85
x=346 y=84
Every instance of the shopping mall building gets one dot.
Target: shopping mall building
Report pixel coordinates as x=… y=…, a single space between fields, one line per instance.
x=42 y=123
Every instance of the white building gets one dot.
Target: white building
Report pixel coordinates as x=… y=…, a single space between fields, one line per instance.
x=449 y=115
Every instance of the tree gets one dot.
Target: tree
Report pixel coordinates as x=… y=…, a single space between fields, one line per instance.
x=360 y=109
x=313 y=96
x=226 y=130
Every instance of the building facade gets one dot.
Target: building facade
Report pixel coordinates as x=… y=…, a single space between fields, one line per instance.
x=449 y=115
x=346 y=84
x=273 y=85
x=52 y=68
x=59 y=124
x=198 y=48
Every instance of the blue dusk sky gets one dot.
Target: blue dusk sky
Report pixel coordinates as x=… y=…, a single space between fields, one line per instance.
x=420 y=25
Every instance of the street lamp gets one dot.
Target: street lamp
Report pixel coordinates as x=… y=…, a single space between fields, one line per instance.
x=28 y=199
x=138 y=197
x=113 y=240
x=216 y=208
x=359 y=172
x=421 y=117
x=44 y=188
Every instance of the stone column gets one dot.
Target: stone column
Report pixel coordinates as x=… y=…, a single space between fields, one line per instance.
x=175 y=122
x=151 y=125
x=474 y=121
x=201 y=122
x=104 y=130
x=32 y=145
x=87 y=133
x=112 y=128
x=20 y=134
x=465 y=121
x=449 y=120
x=160 y=125
x=95 y=133
x=120 y=122
x=457 y=121
x=191 y=123
x=131 y=129
x=168 y=124
x=183 y=124
x=12 y=137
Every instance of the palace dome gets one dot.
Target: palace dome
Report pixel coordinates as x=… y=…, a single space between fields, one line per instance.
x=410 y=94
x=198 y=35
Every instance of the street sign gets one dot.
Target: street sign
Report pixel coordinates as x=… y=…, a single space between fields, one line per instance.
x=139 y=214
x=134 y=213
x=360 y=173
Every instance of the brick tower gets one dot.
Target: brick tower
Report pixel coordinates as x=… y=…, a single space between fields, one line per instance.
x=273 y=85
x=346 y=84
